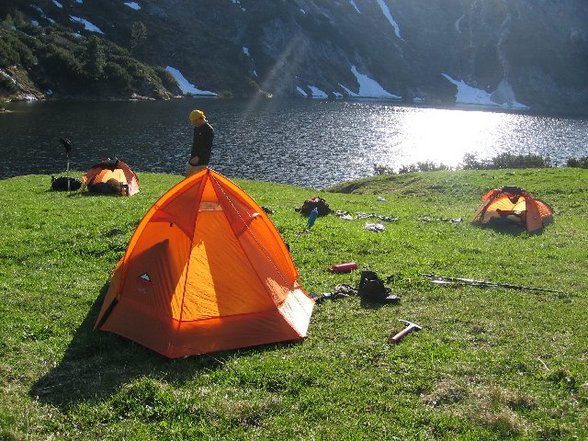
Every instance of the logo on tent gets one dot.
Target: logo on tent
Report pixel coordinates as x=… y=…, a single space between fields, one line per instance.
x=145 y=279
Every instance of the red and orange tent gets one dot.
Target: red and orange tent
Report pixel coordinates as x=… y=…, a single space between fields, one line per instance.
x=513 y=204
x=206 y=270
x=111 y=176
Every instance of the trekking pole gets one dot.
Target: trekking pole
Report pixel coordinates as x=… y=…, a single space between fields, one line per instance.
x=446 y=280
x=67 y=144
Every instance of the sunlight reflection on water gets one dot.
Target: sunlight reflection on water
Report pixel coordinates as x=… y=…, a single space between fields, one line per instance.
x=408 y=136
x=444 y=136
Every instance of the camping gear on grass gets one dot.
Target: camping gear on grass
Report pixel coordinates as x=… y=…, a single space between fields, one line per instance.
x=65 y=183
x=111 y=177
x=316 y=202
x=410 y=327
x=343 y=267
x=376 y=227
x=67 y=146
x=312 y=217
x=372 y=288
x=445 y=280
x=205 y=270
x=513 y=204
x=341 y=290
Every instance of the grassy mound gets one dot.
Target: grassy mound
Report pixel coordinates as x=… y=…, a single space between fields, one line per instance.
x=489 y=364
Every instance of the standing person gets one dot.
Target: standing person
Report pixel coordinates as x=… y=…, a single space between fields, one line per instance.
x=202 y=143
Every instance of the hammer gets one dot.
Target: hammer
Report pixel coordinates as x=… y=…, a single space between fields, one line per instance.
x=409 y=328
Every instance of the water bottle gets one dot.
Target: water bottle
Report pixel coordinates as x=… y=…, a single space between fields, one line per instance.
x=344 y=267
x=312 y=217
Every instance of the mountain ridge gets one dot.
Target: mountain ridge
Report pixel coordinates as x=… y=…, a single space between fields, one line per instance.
x=523 y=55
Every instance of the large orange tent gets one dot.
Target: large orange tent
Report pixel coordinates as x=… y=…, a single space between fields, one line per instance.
x=111 y=176
x=206 y=270
x=513 y=204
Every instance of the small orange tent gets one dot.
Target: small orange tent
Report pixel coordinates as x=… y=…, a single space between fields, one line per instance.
x=513 y=204
x=111 y=176
x=206 y=270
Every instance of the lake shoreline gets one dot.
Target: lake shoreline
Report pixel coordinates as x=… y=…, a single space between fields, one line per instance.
x=457 y=106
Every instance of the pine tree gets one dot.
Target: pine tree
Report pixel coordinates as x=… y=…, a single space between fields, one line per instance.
x=95 y=59
x=138 y=37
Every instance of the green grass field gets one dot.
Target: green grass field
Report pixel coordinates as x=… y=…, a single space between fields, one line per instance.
x=490 y=363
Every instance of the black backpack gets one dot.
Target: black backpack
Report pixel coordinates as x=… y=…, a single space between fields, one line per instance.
x=65 y=183
x=319 y=203
x=372 y=288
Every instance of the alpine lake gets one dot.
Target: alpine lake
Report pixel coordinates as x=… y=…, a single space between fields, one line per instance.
x=310 y=143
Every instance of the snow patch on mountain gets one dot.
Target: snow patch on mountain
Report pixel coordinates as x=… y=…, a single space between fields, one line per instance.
x=368 y=88
x=42 y=14
x=238 y=3
x=88 y=26
x=301 y=91
x=186 y=87
x=388 y=15
x=317 y=93
x=354 y=6
x=502 y=97
x=133 y=5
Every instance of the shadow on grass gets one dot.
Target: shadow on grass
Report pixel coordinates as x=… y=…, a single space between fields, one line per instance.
x=82 y=193
x=372 y=304
x=96 y=364
x=89 y=194
x=509 y=228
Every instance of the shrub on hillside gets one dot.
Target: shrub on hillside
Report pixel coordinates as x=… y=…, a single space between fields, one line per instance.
x=578 y=162
x=380 y=169
x=62 y=60
x=509 y=160
x=7 y=84
x=166 y=78
x=504 y=160
x=117 y=75
x=13 y=51
x=70 y=63
x=470 y=162
x=422 y=167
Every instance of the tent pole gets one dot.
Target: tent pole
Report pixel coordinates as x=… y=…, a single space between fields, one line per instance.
x=441 y=280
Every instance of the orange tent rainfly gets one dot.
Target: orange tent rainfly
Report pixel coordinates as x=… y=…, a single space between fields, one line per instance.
x=513 y=204
x=111 y=177
x=206 y=270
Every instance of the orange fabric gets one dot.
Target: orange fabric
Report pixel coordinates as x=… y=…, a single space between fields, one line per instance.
x=514 y=204
x=122 y=173
x=534 y=220
x=205 y=270
x=131 y=178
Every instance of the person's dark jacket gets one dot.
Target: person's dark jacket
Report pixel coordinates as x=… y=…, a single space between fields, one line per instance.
x=202 y=144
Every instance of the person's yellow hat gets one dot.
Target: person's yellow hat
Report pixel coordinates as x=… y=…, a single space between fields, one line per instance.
x=196 y=115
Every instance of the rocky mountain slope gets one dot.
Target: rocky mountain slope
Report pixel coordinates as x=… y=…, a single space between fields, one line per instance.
x=514 y=54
